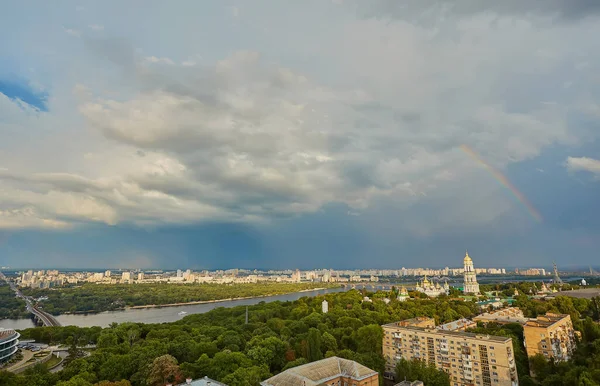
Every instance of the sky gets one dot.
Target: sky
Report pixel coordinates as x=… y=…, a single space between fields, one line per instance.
x=299 y=134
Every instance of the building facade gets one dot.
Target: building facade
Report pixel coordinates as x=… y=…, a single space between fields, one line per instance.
x=551 y=335
x=468 y=359
x=9 y=339
x=331 y=371
x=470 y=278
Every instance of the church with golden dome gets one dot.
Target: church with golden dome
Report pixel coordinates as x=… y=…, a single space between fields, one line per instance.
x=470 y=283
x=430 y=289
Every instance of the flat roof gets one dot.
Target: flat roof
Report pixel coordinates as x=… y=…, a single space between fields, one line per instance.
x=408 y=322
x=458 y=334
x=585 y=293
x=546 y=320
x=456 y=324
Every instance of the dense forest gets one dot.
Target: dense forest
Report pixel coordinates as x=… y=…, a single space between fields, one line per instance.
x=280 y=335
x=88 y=298
x=11 y=307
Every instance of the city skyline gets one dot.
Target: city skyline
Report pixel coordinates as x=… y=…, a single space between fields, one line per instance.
x=298 y=135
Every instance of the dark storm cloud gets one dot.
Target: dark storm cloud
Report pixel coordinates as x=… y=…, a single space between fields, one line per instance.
x=566 y=10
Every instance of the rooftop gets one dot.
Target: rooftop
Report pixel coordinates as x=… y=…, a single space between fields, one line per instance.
x=411 y=322
x=206 y=381
x=546 y=320
x=409 y=383
x=456 y=325
x=586 y=293
x=460 y=334
x=6 y=334
x=316 y=373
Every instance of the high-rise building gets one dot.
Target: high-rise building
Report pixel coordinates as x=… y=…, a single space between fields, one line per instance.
x=325 y=306
x=140 y=276
x=329 y=371
x=471 y=285
x=9 y=340
x=126 y=277
x=551 y=335
x=467 y=358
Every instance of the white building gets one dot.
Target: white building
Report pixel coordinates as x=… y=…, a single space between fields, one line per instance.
x=325 y=306
x=403 y=295
x=431 y=289
x=471 y=285
x=126 y=277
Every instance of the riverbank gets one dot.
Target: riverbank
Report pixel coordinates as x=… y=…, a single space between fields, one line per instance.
x=90 y=298
x=218 y=300
x=163 y=314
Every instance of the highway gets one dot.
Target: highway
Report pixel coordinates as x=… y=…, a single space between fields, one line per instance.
x=47 y=319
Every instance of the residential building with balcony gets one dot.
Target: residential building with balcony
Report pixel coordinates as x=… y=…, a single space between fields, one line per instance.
x=551 y=335
x=468 y=359
x=9 y=339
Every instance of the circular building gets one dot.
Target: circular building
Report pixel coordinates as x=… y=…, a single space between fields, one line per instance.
x=9 y=339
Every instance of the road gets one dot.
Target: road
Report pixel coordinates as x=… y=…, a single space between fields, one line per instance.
x=47 y=319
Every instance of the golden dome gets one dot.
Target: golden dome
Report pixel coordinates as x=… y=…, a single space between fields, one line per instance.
x=425 y=282
x=467 y=257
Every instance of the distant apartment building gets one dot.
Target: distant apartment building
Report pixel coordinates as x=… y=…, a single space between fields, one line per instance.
x=502 y=316
x=551 y=335
x=331 y=371
x=532 y=272
x=126 y=277
x=467 y=358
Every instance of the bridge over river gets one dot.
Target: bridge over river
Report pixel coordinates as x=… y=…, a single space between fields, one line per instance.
x=40 y=316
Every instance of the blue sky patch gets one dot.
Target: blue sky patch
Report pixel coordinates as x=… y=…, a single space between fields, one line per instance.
x=20 y=90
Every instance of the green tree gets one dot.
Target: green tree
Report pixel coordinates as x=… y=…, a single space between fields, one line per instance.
x=314 y=345
x=419 y=370
x=369 y=338
x=163 y=370
x=329 y=342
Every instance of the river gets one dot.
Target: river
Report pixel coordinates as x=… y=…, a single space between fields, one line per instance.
x=158 y=315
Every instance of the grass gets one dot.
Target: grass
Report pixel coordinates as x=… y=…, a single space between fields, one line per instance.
x=52 y=362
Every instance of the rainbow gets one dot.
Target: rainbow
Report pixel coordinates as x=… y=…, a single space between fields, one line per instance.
x=501 y=178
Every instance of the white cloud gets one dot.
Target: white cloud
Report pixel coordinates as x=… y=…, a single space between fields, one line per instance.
x=96 y=27
x=583 y=164
x=154 y=59
x=72 y=32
